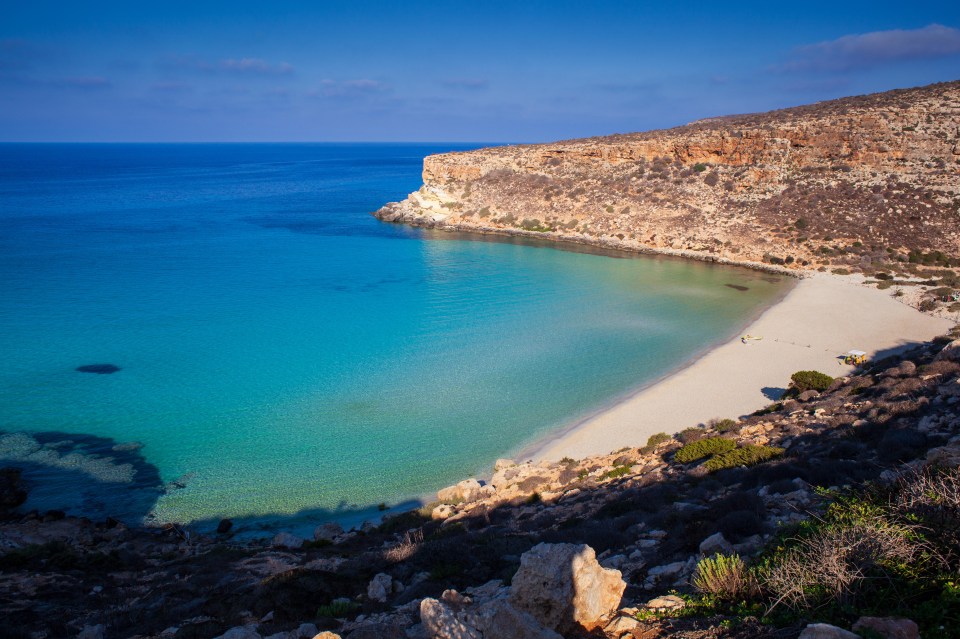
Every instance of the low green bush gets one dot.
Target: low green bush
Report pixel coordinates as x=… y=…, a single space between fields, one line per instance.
x=617 y=471
x=810 y=380
x=747 y=455
x=337 y=609
x=725 y=425
x=704 y=448
x=654 y=441
x=724 y=577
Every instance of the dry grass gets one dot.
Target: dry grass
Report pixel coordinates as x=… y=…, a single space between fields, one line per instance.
x=832 y=564
x=406 y=548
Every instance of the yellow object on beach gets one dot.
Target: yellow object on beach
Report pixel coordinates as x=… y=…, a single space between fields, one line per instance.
x=855 y=358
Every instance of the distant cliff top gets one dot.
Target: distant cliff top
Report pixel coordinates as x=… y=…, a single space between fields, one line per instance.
x=862 y=182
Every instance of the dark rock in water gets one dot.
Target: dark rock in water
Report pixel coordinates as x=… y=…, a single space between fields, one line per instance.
x=224 y=526
x=54 y=515
x=12 y=493
x=738 y=287
x=99 y=369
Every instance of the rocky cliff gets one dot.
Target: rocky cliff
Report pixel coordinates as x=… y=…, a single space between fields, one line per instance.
x=861 y=181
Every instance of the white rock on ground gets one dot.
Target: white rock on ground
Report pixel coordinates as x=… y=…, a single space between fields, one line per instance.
x=826 y=631
x=380 y=587
x=457 y=617
x=466 y=491
x=287 y=540
x=327 y=532
x=715 y=543
x=564 y=587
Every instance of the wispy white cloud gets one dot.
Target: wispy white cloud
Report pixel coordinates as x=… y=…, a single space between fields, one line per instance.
x=255 y=65
x=250 y=66
x=348 y=88
x=472 y=84
x=864 y=50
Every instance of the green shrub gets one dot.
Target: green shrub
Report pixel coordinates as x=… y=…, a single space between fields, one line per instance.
x=699 y=167
x=810 y=380
x=704 y=448
x=724 y=577
x=337 y=609
x=747 y=455
x=653 y=441
x=617 y=471
x=725 y=425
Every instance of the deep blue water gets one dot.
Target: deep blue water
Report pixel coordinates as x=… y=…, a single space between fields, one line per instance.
x=287 y=358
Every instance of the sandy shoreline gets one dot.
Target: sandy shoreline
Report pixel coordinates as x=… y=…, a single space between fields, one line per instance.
x=822 y=317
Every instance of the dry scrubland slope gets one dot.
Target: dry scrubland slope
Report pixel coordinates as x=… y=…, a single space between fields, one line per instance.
x=859 y=181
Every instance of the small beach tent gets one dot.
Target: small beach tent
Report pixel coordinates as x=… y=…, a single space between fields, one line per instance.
x=855 y=358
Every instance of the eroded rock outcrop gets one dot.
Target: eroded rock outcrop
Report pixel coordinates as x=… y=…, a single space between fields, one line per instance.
x=855 y=181
x=565 y=587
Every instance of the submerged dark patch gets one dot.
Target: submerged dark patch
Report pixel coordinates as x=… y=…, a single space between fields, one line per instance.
x=99 y=369
x=738 y=287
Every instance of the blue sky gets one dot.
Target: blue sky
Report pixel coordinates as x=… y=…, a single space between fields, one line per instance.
x=444 y=71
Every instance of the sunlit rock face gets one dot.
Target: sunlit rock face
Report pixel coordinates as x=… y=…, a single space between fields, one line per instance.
x=856 y=181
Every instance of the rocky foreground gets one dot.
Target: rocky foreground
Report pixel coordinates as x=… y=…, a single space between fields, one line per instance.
x=606 y=546
x=861 y=182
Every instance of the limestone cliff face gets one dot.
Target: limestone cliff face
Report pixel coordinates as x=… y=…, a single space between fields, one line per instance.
x=856 y=181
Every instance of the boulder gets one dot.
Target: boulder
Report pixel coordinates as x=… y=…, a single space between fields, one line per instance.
x=944 y=456
x=327 y=532
x=950 y=352
x=224 y=526
x=380 y=587
x=443 y=511
x=888 y=627
x=565 y=588
x=807 y=395
x=456 y=617
x=667 y=602
x=287 y=540
x=667 y=571
x=303 y=631
x=442 y=621
x=826 y=631
x=466 y=491
x=714 y=544
x=622 y=625
x=326 y=634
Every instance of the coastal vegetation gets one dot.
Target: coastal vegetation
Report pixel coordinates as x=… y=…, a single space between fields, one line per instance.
x=767 y=542
x=703 y=448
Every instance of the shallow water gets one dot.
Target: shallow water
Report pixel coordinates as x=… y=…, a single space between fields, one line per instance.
x=284 y=357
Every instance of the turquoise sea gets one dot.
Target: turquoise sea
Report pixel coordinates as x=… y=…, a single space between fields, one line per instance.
x=284 y=357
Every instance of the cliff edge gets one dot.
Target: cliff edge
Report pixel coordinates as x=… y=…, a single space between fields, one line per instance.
x=861 y=181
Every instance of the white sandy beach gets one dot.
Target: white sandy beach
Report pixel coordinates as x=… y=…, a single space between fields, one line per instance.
x=822 y=317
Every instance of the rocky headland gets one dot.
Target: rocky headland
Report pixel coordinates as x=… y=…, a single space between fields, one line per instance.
x=863 y=182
